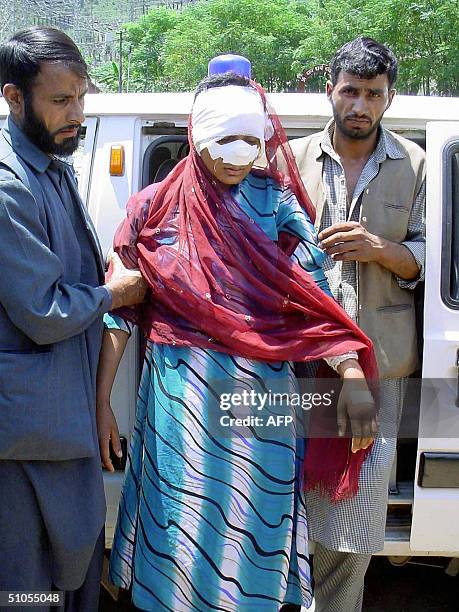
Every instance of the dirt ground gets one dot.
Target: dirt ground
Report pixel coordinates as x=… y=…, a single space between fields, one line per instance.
x=410 y=588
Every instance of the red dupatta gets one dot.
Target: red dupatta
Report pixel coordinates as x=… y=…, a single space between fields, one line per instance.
x=218 y=282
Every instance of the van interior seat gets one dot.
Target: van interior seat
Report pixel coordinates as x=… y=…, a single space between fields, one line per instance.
x=165 y=167
x=160 y=155
x=183 y=150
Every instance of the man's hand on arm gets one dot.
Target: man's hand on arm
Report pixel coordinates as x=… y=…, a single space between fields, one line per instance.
x=350 y=241
x=127 y=287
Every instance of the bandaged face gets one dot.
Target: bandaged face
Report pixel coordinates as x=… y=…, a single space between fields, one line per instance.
x=231 y=158
x=235 y=150
x=228 y=140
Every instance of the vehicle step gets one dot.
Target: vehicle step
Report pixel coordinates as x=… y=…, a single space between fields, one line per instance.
x=397 y=535
x=405 y=494
x=398 y=523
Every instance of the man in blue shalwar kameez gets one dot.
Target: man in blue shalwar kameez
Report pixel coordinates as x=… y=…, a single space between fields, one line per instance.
x=52 y=298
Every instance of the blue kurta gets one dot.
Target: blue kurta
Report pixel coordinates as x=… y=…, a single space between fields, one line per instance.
x=211 y=518
x=51 y=308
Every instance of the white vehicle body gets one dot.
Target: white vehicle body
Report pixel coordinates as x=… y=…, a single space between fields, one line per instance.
x=423 y=509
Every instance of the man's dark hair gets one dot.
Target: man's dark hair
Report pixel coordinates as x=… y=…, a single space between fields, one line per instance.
x=222 y=80
x=365 y=58
x=22 y=55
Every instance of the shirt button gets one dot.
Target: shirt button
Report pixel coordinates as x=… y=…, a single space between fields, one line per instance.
x=208 y=296
x=248 y=318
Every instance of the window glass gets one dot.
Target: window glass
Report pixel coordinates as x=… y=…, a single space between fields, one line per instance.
x=453 y=190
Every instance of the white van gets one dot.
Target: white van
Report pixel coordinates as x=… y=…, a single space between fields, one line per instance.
x=147 y=135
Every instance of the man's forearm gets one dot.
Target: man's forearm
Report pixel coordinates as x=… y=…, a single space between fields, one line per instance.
x=398 y=259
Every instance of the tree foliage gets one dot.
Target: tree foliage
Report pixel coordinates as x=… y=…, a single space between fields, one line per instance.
x=145 y=42
x=168 y=50
x=422 y=33
x=267 y=32
x=106 y=76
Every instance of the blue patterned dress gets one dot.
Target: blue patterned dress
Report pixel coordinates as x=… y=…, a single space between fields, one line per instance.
x=214 y=520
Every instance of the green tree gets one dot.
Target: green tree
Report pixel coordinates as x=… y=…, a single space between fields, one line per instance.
x=422 y=33
x=106 y=76
x=143 y=47
x=168 y=50
x=266 y=32
x=171 y=50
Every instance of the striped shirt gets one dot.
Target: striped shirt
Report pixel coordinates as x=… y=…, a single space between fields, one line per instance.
x=342 y=275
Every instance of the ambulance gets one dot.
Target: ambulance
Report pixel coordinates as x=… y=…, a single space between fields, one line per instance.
x=133 y=140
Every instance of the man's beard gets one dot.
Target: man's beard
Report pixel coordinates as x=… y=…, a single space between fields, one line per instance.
x=354 y=134
x=36 y=131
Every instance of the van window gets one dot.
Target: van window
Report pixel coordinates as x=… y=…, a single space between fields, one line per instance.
x=161 y=156
x=450 y=255
x=454 y=178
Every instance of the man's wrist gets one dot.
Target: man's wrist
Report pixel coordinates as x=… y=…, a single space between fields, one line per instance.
x=381 y=250
x=109 y=296
x=349 y=367
x=114 y=295
x=398 y=259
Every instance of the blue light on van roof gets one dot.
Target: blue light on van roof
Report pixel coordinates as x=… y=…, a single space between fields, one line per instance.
x=230 y=63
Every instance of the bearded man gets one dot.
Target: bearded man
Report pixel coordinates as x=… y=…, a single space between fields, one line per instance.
x=52 y=298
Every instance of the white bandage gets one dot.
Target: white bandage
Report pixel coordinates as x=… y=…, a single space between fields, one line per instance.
x=227 y=111
x=237 y=152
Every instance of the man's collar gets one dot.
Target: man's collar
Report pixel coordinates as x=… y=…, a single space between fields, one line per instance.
x=386 y=147
x=391 y=146
x=23 y=147
x=326 y=142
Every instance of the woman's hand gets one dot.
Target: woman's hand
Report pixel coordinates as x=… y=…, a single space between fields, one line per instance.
x=356 y=403
x=113 y=344
x=107 y=431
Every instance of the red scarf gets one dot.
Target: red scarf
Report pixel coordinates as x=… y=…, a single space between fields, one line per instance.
x=218 y=282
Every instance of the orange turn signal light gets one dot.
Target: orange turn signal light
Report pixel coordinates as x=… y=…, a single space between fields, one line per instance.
x=117 y=160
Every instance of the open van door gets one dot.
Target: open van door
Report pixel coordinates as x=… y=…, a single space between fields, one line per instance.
x=435 y=523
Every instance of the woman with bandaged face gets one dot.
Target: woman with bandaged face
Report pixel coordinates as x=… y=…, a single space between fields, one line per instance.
x=212 y=514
